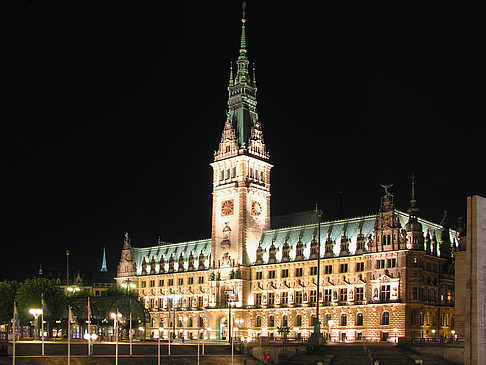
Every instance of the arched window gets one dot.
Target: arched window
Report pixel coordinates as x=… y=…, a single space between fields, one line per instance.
x=344 y=320
x=285 y=321
x=328 y=318
x=271 y=321
x=359 y=319
x=298 y=320
x=385 y=318
x=258 y=321
x=189 y=324
x=313 y=320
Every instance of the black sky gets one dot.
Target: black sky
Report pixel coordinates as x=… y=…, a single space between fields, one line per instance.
x=110 y=116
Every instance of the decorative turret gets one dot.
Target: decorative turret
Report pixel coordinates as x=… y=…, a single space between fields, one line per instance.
x=415 y=236
x=445 y=241
x=344 y=250
x=386 y=234
x=190 y=265
x=428 y=248
x=162 y=264
x=299 y=249
x=434 y=244
x=272 y=253
x=285 y=251
x=259 y=255
x=126 y=266
x=180 y=267
x=313 y=247
x=360 y=242
x=328 y=250
x=201 y=265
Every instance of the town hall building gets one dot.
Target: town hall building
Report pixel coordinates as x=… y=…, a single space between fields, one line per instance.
x=381 y=277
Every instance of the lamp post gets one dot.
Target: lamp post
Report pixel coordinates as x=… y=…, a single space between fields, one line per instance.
x=317 y=324
x=90 y=337
x=116 y=316
x=128 y=285
x=36 y=312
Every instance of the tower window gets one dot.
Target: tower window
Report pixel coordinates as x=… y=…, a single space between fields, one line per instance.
x=234 y=172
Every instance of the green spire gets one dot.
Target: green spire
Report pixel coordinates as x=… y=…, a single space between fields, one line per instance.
x=243 y=35
x=242 y=62
x=413 y=203
x=103 y=264
x=231 y=74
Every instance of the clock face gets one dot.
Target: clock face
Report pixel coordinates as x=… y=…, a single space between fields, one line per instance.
x=256 y=208
x=227 y=207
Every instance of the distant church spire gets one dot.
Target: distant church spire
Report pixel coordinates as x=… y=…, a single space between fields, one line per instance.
x=103 y=264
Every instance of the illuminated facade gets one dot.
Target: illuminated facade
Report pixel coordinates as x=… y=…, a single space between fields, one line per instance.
x=382 y=277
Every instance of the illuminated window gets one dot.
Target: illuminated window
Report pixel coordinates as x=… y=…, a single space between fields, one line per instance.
x=343 y=294
x=298 y=297
x=271 y=321
x=313 y=296
x=258 y=322
x=313 y=270
x=344 y=320
x=284 y=299
x=328 y=269
x=285 y=273
x=298 y=320
x=271 y=299
x=299 y=271
x=385 y=318
x=258 y=299
x=327 y=295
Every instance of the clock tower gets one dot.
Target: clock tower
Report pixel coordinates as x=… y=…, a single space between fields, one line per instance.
x=241 y=174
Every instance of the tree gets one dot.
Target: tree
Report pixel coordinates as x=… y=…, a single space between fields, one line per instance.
x=29 y=296
x=8 y=290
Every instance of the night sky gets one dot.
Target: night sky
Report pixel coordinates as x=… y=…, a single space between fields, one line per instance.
x=110 y=116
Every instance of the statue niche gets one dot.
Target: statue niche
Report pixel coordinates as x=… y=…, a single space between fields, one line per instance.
x=226 y=235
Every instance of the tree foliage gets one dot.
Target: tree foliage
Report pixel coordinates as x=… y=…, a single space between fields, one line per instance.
x=8 y=290
x=29 y=296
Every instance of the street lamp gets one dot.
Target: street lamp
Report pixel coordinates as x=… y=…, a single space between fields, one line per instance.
x=116 y=317
x=36 y=312
x=128 y=285
x=317 y=324
x=90 y=337
x=73 y=289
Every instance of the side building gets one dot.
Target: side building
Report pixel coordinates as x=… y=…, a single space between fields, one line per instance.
x=382 y=277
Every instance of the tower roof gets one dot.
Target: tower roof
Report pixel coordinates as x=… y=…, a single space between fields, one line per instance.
x=245 y=135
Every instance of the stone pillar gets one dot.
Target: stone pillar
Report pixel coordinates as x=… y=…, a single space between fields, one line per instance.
x=475 y=308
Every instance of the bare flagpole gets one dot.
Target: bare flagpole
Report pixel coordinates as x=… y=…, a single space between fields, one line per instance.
x=69 y=335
